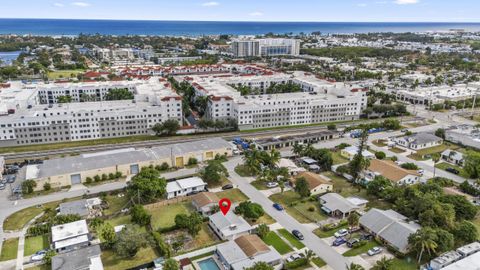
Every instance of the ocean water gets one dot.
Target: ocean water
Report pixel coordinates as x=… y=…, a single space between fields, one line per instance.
x=194 y=28
x=6 y=58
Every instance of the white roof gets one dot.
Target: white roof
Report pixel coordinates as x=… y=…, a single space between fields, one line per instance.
x=186 y=183
x=71 y=241
x=69 y=230
x=353 y=150
x=470 y=262
x=229 y=224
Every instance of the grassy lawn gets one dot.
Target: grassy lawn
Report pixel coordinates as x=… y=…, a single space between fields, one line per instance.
x=204 y=238
x=380 y=143
x=299 y=210
x=360 y=250
x=346 y=189
x=55 y=146
x=293 y=241
x=338 y=159
x=120 y=220
x=164 y=217
x=319 y=262
x=113 y=262
x=18 y=220
x=235 y=195
x=266 y=219
x=445 y=165
x=9 y=249
x=476 y=222
x=272 y=239
x=115 y=204
x=324 y=234
x=260 y=185
x=396 y=150
x=35 y=243
x=424 y=153
x=61 y=74
x=403 y=264
x=40 y=267
x=243 y=171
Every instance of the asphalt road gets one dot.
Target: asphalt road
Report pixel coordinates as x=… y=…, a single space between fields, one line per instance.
x=323 y=250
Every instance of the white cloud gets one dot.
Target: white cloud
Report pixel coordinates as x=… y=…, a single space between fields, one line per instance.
x=210 y=4
x=362 y=5
x=256 y=14
x=58 y=5
x=80 y=4
x=406 y=2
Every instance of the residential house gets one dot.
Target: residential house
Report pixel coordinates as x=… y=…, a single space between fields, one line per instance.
x=391 y=171
x=351 y=151
x=465 y=257
x=184 y=187
x=229 y=226
x=205 y=202
x=419 y=141
x=87 y=208
x=316 y=183
x=245 y=251
x=453 y=157
x=389 y=227
x=70 y=236
x=293 y=169
x=336 y=205
x=88 y=258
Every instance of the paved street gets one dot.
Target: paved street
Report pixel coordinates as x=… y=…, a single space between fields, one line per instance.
x=322 y=249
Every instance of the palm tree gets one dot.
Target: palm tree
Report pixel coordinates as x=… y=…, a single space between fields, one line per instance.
x=423 y=240
x=354 y=266
x=436 y=159
x=383 y=264
x=298 y=149
x=281 y=184
x=274 y=157
x=309 y=255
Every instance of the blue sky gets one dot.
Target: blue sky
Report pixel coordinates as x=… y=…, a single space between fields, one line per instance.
x=249 y=10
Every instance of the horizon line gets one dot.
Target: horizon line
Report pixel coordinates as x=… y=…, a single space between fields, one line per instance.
x=242 y=21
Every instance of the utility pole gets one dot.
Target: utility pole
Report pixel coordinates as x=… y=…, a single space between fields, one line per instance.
x=474 y=101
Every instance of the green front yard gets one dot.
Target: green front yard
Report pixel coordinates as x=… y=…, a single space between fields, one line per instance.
x=298 y=208
x=235 y=195
x=445 y=165
x=319 y=262
x=338 y=158
x=290 y=238
x=64 y=74
x=113 y=262
x=272 y=239
x=424 y=154
x=405 y=264
x=9 y=249
x=18 y=220
x=324 y=234
x=396 y=150
x=115 y=204
x=164 y=216
x=35 y=243
x=243 y=171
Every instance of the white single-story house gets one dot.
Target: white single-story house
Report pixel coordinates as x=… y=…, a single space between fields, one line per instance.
x=183 y=187
x=351 y=151
x=229 y=226
x=70 y=236
x=419 y=141
x=245 y=251
x=336 y=205
x=293 y=169
x=389 y=227
x=453 y=157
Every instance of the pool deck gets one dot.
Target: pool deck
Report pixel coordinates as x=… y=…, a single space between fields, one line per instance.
x=214 y=257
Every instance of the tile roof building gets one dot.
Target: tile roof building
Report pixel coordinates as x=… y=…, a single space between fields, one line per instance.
x=392 y=172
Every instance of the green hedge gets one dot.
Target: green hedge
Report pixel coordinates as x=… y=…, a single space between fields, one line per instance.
x=296 y=264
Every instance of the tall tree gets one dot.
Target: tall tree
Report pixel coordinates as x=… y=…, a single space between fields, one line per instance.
x=130 y=240
x=424 y=240
x=147 y=186
x=301 y=187
x=359 y=163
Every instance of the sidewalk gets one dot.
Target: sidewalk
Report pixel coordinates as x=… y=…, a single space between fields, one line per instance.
x=21 y=243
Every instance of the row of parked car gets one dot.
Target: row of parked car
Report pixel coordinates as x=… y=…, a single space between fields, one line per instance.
x=340 y=239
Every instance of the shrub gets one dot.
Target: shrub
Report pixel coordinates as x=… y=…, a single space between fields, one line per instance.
x=39 y=229
x=164 y=166
x=192 y=161
x=104 y=177
x=311 y=208
x=380 y=155
x=118 y=175
x=296 y=264
x=47 y=186
x=97 y=178
x=409 y=166
x=163 y=247
x=360 y=243
x=111 y=176
x=28 y=186
x=88 y=180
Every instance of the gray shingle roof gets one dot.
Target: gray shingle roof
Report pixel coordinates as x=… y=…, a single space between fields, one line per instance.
x=390 y=226
x=76 y=260
x=76 y=208
x=422 y=138
x=334 y=201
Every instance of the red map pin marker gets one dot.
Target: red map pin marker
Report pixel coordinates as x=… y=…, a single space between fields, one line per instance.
x=224 y=205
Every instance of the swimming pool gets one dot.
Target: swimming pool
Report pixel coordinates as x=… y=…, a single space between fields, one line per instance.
x=208 y=264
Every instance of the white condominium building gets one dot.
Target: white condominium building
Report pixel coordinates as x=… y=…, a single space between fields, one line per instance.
x=265 y=47
x=318 y=101
x=27 y=118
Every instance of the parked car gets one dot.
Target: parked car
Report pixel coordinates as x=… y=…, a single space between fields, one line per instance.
x=366 y=236
x=10 y=178
x=452 y=170
x=374 y=251
x=341 y=233
x=351 y=242
x=294 y=257
x=339 y=241
x=298 y=234
x=38 y=256
x=272 y=184
x=278 y=206
x=421 y=172
x=227 y=186
x=2 y=186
